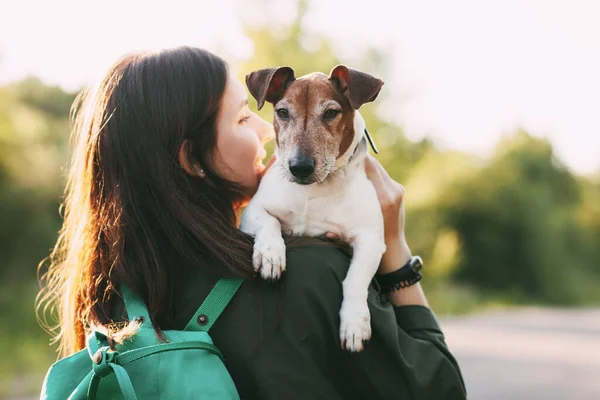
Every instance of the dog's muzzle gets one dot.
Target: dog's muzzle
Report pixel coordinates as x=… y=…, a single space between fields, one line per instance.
x=302 y=167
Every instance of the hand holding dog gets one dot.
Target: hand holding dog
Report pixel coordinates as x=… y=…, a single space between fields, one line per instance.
x=391 y=199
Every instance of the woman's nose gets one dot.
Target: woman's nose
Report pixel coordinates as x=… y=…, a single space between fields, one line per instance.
x=264 y=130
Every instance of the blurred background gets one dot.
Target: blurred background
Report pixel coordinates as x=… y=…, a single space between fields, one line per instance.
x=489 y=117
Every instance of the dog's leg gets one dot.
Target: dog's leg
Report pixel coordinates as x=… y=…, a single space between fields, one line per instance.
x=355 y=318
x=269 y=248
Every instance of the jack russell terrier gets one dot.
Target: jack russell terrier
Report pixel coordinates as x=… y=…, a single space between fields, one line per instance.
x=318 y=182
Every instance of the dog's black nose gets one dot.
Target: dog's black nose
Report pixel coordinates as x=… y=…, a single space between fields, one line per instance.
x=302 y=167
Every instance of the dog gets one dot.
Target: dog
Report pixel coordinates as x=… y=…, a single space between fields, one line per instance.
x=318 y=182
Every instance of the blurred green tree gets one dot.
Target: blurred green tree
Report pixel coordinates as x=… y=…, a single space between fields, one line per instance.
x=516 y=220
x=33 y=149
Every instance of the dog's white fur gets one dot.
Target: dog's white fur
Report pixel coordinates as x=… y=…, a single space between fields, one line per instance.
x=345 y=203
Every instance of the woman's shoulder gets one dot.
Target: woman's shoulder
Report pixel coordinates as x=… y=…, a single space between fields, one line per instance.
x=314 y=269
x=316 y=261
x=306 y=298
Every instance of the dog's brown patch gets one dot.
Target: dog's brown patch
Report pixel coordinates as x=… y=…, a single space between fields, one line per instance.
x=307 y=131
x=348 y=131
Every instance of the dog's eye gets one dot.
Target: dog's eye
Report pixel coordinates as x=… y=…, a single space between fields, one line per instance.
x=282 y=113
x=331 y=114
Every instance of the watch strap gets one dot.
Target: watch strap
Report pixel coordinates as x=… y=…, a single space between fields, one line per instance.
x=406 y=276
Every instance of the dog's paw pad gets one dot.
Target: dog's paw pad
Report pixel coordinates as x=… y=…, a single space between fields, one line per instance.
x=269 y=256
x=355 y=327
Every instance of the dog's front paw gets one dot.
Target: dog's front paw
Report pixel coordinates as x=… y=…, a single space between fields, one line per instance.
x=355 y=327
x=269 y=256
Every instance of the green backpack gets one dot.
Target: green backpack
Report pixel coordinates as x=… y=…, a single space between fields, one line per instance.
x=187 y=366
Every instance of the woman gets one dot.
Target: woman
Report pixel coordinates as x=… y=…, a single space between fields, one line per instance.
x=166 y=153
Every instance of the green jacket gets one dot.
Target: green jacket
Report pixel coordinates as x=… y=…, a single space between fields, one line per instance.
x=280 y=339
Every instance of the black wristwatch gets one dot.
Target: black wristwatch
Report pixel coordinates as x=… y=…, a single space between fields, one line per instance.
x=404 y=277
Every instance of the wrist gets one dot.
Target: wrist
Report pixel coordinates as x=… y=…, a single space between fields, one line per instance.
x=396 y=255
x=412 y=295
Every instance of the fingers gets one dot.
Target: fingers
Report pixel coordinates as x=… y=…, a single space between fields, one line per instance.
x=383 y=187
x=374 y=174
x=380 y=177
x=384 y=174
x=339 y=238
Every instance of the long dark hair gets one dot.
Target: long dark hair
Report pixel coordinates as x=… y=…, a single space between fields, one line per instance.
x=129 y=207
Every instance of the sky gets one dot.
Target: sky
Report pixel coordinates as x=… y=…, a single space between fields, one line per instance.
x=463 y=72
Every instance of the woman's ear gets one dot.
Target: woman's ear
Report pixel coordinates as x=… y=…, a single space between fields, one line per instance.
x=190 y=168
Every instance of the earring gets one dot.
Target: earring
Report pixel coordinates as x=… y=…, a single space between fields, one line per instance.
x=200 y=171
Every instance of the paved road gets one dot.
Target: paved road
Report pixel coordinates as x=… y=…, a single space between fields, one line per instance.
x=524 y=354
x=527 y=354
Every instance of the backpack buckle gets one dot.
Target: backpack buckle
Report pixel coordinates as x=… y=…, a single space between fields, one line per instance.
x=101 y=360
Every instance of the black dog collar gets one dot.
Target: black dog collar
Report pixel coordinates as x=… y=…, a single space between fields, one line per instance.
x=371 y=142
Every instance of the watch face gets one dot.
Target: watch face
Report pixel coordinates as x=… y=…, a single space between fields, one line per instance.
x=417 y=263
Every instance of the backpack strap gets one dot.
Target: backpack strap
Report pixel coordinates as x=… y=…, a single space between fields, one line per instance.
x=214 y=304
x=134 y=306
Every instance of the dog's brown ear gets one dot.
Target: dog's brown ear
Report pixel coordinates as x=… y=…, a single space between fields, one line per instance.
x=269 y=84
x=359 y=87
